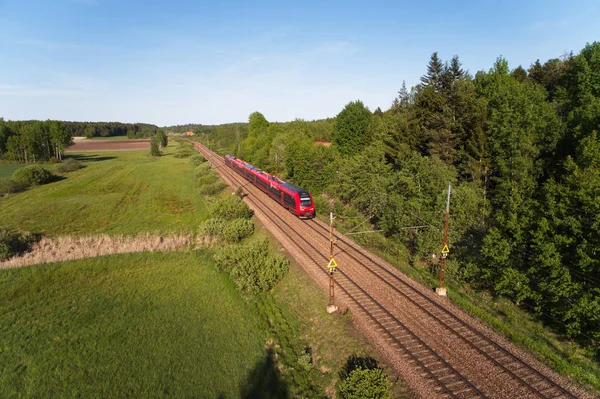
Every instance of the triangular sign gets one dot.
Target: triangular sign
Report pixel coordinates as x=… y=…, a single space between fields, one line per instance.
x=332 y=264
x=445 y=250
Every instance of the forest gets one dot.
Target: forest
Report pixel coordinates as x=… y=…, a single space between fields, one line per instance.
x=519 y=147
x=33 y=141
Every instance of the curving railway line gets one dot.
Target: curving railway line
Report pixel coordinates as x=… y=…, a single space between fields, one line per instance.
x=439 y=350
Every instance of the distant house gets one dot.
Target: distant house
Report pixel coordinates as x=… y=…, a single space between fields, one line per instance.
x=189 y=133
x=323 y=143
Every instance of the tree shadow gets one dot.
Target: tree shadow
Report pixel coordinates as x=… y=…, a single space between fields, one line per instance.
x=89 y=158
x=264 y=381
x=358 y=362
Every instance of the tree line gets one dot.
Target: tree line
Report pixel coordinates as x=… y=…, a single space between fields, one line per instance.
x=521 y=150
x=35 y=141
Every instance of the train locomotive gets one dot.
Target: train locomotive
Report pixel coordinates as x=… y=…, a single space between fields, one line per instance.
x=292 y=198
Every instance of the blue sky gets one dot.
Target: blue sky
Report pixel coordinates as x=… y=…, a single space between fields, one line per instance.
x=175 y=62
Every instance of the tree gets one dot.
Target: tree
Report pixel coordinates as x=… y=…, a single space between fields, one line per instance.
x=435 y=69
x=351 y=130
x=154 y=147
x=162 y=138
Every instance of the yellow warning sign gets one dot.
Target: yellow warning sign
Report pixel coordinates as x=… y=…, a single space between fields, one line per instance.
x=332 y=264
x=445 y=250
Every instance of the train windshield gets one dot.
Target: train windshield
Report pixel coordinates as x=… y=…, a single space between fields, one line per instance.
x=305 y=201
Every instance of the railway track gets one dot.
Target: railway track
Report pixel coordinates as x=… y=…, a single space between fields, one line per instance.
x=404 y=339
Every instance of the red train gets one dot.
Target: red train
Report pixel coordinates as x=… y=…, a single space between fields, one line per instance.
x=292 y=198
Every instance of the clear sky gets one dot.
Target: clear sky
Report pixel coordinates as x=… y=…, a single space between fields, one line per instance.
x=176 y=62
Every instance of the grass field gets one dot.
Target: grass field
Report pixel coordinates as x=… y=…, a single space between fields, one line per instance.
x=7 y=169
x=116 y=193
x=110 y=138
x=143 y=325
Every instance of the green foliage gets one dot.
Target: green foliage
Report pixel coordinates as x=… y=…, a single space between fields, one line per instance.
x=213 y=188
x=231 y=231
x=231 y=207
x=351 y=131
x=197 y=159
x=366 y=383
x=162 y=138
x=155 y=147
x=10 y=186
x=185 y=149
x=13 y=243
x=69 y=165
x=251 y=265
x=33 y=175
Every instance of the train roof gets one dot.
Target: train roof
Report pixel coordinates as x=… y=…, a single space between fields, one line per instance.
x=293 y=188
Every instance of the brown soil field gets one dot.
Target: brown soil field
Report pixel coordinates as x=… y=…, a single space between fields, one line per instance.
x=108 y=145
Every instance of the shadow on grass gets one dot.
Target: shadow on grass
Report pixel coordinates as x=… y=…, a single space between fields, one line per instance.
x=89 y=158
x=264 y=381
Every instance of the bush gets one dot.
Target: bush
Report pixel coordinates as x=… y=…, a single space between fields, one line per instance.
x=231 y=207
x=202 y=170
x=213 y=188
x=13 y=243
x=32 y=175
x=154 y=147
x=9 y=186
x=197 y=159
x=251 y=266
x=365 y=383
x=69 y=165
x=227 y=230
x=185 y=149
x=209 y=178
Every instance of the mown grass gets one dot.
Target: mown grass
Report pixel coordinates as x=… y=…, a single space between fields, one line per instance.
x=138 y=325
x=7 y=169
x=116 y=193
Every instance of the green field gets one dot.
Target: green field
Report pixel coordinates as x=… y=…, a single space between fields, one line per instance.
x=110 y=138
x=139 y=325
x=7 y=169
x=116 y=193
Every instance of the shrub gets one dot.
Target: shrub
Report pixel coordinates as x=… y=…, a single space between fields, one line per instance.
x=213 y=188
x=202 y=170
x=197 y=159
x=365 y=383
x=154 y=147
x=227 y=230
x=209 y=178
x=13 y=243
x=251 y=265
x=185 y=149
x=69 y=165
x=231 y=207
x=32 y=175
x=9 y=186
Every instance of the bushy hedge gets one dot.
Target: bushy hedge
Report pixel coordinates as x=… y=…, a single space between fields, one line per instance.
x=13 y=243
x=69 y=165
x=362 y=378
x=9 y=186
x=197 y=159
x=184 y=149
x=213 y=188
x=32 y=175
x=231 y=207
x=251 y=265
x=227 y=230
x=202 y=170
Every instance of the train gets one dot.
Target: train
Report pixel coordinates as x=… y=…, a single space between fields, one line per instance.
x=292 y=198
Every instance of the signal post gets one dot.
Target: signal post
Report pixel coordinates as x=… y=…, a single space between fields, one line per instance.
x=332 y=266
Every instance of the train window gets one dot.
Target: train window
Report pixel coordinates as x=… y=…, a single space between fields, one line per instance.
x=305 y=201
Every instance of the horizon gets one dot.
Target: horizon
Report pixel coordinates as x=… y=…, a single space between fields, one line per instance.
x=202 y=63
